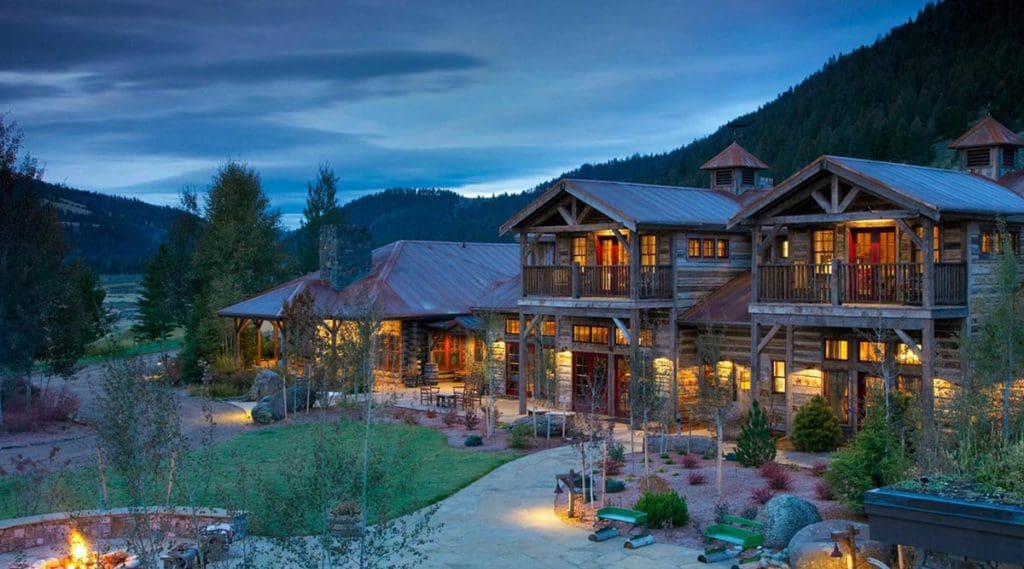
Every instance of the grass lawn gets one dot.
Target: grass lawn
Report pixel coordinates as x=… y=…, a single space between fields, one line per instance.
x=264 y=471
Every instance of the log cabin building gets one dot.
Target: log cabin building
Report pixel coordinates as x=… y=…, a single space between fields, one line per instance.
x=848 y=271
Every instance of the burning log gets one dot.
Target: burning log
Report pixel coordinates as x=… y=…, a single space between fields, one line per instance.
x=81 y=556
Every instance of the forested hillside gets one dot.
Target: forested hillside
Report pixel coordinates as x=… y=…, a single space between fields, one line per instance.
x=113 y=234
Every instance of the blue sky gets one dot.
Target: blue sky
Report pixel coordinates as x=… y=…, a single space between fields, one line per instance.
x=145 y=98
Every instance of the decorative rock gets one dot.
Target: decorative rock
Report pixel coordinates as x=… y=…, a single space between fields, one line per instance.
x=265 y=383
x=811 y=547
x=783 y=516
x=557 y=424
x=262 y=414
x=297 y=396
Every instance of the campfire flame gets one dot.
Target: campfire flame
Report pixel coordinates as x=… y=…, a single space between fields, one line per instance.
x=78 y=550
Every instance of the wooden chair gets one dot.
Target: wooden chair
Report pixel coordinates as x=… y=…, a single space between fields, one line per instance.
x=460 y=395
x=471 y=398
x=427 y=394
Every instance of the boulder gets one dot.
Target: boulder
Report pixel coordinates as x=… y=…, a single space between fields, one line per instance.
x=783 y=516
x=299 y=396
x=265 y=383
x=262 y=414
x=557 y=424
x=696 y=444
x=811 y=547
x=274 y=404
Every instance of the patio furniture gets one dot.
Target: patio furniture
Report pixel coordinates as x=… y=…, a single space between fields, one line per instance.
x=471 y=398
x=637 y=520
x=459 y=391
x=428 y=394
x=740 y=531
x=445 y=399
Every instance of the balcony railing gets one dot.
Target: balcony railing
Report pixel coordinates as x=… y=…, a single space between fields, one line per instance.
x=861 y=283
x=601 y=281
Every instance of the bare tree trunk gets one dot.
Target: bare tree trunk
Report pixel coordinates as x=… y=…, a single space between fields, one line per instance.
x=718 y=452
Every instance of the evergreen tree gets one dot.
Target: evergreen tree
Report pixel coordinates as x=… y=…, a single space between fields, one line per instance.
x=155 y=319
x=321 y=209
x=874 y=459
x=76 y=319
x=237 y=255
x=755 y=445
x=815 y=427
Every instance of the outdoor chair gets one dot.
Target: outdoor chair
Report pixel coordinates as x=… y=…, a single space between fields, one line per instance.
x=427 y=394
x=460 y=395
x=471 y=398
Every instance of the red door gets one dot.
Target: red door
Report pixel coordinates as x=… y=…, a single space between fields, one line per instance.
x=873 y=253
x=590 y=383
x=613 y=263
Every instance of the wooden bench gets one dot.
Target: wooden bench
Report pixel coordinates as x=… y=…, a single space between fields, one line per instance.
x=740 y=531
x=637 y=521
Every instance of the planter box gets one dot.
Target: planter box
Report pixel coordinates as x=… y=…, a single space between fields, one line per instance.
x=979 y=530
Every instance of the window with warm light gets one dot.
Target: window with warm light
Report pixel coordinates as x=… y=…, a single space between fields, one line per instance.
x=646 y=337
x=871 y=351
x=585 y=334
x=512 y=326
x=708 y=250
x=579 y=251
x=389 y=357
x=838 y=350
x=778 y=376
x=723 y=249
x=823 y=246
x=648 y=250
x=547 y=328
x=693 y=248
x=936 y=245
x=906 y=356
x=991 y=242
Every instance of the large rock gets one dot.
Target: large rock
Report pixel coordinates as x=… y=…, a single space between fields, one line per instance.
x=264 y=384
x=262 y=414
x=557 y=424
x=783 y=516
x=811 y=547
x=299 y=396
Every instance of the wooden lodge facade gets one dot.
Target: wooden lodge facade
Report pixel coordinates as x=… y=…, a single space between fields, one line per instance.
x=847 y=275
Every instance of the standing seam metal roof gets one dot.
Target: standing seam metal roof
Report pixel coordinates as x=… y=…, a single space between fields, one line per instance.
x=644 y=204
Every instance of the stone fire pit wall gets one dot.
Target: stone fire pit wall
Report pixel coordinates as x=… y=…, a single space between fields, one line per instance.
x=52 y=529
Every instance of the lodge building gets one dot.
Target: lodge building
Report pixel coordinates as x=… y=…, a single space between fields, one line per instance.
x=849 y=274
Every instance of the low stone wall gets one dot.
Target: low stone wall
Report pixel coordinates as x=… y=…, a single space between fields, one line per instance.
x=97 y=526
x=927 y=559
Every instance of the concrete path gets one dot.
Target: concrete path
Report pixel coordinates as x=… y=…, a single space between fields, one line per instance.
x=506 y=520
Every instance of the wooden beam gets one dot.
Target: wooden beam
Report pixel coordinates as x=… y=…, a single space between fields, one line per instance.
x=824 y=203
x=569 y=219
x=533 y=323
x=622 y=328
x=928 y=260
x=755 y=358
x=852 y=195
x=834 y=193
x=910 y=233
x=581 y=228
x=908 y=341
x=928 y=379
x=522 y=363
x=766 y=243
x=768 y=338
x=837 y=217
x=789 y=373
x=584 y=213
x=622 y=240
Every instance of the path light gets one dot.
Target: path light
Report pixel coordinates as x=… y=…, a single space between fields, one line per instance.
x=558 y=488
x=835 y=551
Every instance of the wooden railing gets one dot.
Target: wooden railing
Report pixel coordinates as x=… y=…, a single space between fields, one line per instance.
x=860 y=283
x=602 y=281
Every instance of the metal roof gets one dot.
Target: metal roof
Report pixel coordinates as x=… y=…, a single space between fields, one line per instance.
x=945 y=190
x=503 y=296
x=1014 y=181
x=987 y=132
x=408 y=279
x=734 y=156
x=726 y=305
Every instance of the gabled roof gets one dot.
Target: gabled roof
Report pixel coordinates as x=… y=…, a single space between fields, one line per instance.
x=988 y=132
x=734 y=156
x=635 y=205
x=1014 y=181
x=503 y=296
x=726 y=305
x=407 y=279
x=928 y=190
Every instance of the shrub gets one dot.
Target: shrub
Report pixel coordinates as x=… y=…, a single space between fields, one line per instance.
x=473 y=441
x=471 y=419
x=755 y=445
x=819 y=468
x=617 y=452
x=45 y=407
x=407 y=416
x=696 y=479
x=770 y=469
x=761 y=495
x=690 y=461
x=431 y=414
x=816 y=428
x=708 y=454
x=653 y=484
x=721 y=510
x=664 y=510
x=613 y=486
x=450 y=417
x=823 y=491
x=520 y=437
x=612 y=467
x=664 y=456
x=873 y=459
x=780 y=479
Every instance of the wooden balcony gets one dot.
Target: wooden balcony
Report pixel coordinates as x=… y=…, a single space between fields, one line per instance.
x=599 y=281
x=861 y=283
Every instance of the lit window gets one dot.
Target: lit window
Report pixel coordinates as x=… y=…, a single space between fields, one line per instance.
x=906 y=356
x=723 y=249
x=648 y=250
x=987 y=243
x=936 y=245
x=694 y=248
x=837 y=350
x=871 y=351
x=579 y=251
x=778 y=376
x=646 y=337
x=512 y=326
x=823 y=246
x=784 y=249
x=589 y=334
x=548 y=328
x=709 y=249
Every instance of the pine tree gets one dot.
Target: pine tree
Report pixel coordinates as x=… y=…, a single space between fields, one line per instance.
x=155 y=318
x=815 y=427
x=321 y=209
x=755 y=445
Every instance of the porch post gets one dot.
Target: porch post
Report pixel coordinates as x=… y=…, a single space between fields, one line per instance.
x=928 y=258
x=755 y=358
x=674 y=382
x=258 y=324
x=789 y=372
x=927 y=377
x=522 y=363
x=611 y=380
x=277 y=342
x=634 y=265
x=755 y=261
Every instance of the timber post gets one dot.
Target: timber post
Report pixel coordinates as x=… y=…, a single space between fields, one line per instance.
x=522 y=363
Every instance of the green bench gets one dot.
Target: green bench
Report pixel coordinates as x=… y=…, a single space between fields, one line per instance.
x=637 y=521
x=740 y=531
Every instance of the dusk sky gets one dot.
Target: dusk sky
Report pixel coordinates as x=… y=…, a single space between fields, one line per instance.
x=143 y=99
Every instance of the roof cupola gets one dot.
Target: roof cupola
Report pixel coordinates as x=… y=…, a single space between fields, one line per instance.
x=988 y=148
x=734 y=169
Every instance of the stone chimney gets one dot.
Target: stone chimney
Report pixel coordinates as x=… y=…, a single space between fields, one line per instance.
x=988 y=148
x=345 y=254
x=734 y=169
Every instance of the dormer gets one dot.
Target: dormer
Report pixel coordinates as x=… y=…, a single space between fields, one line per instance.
x=988 y=148
x=734 y=169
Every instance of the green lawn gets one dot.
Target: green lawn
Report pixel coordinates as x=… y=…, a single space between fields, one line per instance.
x=270 y=472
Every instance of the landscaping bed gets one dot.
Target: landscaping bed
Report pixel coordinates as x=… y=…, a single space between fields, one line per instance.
x=457 y=433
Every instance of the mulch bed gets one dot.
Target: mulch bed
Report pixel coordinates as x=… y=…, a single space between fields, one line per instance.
x=457 y=433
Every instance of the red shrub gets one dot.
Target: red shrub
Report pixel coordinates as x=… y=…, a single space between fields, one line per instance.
x=780 y=480
x=613 y=467
x=770 y=470
x=761 y=495
x=696 y=478
x=690 y=461
x=45 y=407
x=823 y=491
x=819 y=468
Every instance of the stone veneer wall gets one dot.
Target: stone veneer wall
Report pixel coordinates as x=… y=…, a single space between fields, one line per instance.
x=97 y=526
x=927 y=559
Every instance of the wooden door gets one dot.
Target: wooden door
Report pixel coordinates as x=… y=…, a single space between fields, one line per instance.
x=512 y=372
x=623 y=376
x=873 y=251
x=613 y=264
x=590 y=383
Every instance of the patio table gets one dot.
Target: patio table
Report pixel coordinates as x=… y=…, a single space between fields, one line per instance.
x=445 y=399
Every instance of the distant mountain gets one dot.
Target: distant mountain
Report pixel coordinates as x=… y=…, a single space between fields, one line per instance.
x=900 y=99
x=113 y=234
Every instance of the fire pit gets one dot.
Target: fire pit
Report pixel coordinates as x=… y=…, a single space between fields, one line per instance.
x=81 y=556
